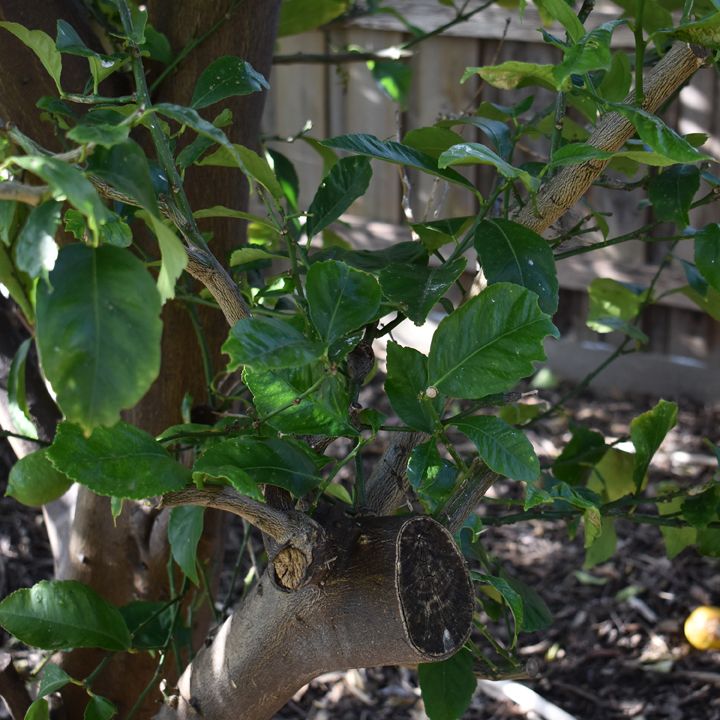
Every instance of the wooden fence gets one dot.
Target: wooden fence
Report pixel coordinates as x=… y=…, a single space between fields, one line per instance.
x=684 y=349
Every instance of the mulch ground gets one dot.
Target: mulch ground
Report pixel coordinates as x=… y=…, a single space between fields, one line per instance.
x=615 y=649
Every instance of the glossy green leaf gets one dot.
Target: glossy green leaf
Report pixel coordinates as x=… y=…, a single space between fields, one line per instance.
x=647 y=431
x=603 y=545
x=448 y=686
x=431 y=476
x=17 y=406
x=174 y=258
x=615 y=84
x=707 y=254
x=676 y=538
x=225 y=77
x=406 y=385
x=8 y=213
x=38 y=710
x=220 y=211
x=67 y=182
x=53 y=678
x=268 y=342
x=184 y=531
x=477 y=154
x=125 y=167
x=610 y=300
x=16 y=289
x=63 y=614
x=432 y=140
x=375 y=260
x=503 y=448
x=591 y=52
x=247 y=463
x=512 y=598
x=704 y=32
x=116 y=232
x=36 y=250
x=561 y=11
x=121 y=461
x=98 y=332
x=254 y=166
x=437 y=233
x=658 y=136
x=703 y=508
x=99 y=708
x=416 y=290
x=516 y=74
x=536 y=613
x=34 y=481
x=340 y=299
x=496 y=130
x=283 y=395
x=510 y=252
x=191 y=153
x=708 y=302
x=489 y=343
x=576 y=153
x=395 y=152
x=347 y=181
x=99 y=134
x=43 y=47
x=298 y=16
x=671 y=193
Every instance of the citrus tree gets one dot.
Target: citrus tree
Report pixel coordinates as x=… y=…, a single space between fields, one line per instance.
x=169 y=368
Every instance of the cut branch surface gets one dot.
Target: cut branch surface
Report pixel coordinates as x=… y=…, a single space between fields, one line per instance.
x=400 y=594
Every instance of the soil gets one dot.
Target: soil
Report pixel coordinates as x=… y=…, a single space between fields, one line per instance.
x=615 y=648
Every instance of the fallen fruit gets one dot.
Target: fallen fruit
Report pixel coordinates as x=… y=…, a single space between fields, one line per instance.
x=702 y=628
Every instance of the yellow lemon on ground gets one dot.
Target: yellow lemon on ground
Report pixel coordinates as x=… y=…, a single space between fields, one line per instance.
x=702 y=628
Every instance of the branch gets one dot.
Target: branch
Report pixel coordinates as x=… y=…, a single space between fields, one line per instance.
x=468 y=496
x=303 y=546
x=12 y=688
x=561 y=192
x=28 y=194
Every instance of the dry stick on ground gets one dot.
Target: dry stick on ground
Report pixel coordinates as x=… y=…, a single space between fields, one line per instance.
x=554 y=198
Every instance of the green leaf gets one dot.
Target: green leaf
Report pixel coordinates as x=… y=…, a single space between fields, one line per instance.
x=562 y=12
x=496 y=130
x=254 y=166
x=220 y=211
x=42 y=45
x=174 y=257
x=125 y=167
x=298 y=16
x=347 y=181
x=615 y=84
x=34 y=481
x=38 y=710
x=150 y=623
x=322 y=412
x=98 y=332
x=510 y=252
x=17 y=406
x=416 y=290
x=703 y=508
x=9 y=278
x=340 y=299
x=67 y=183
x=58 y=614
x=647 y=431
x=707 y=254
x=603 y=544
x=576 y=153
x=268 y=342
x=116 y=232
x=502 y=447
x=704 y=32
x=393 y=77
x=536 y=613
x=709 y=302
x=676 y=538
x=655 y=133
x=511 y=597
x=612 y=476
x=122 y=461
x=99 y=708
x=192 y=152
x=395 y=152
x=592 y=52
x=610 y=300
x=228 y=76
x=448 y=686
x=406 y=385
x=437 y=233
x=516 y=74
x=8 y=212
x=671 y=193
x=247 y=463
x=53 y=678
x=184 y=531
x=432 y=141
x=251 y=254
x=432 y=477
x=36 y=250
x=489 y=343
x=579 y=456
x=475 y=153
x=99 y=134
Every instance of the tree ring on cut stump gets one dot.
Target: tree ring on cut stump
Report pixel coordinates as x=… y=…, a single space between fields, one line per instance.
x=434 y=588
